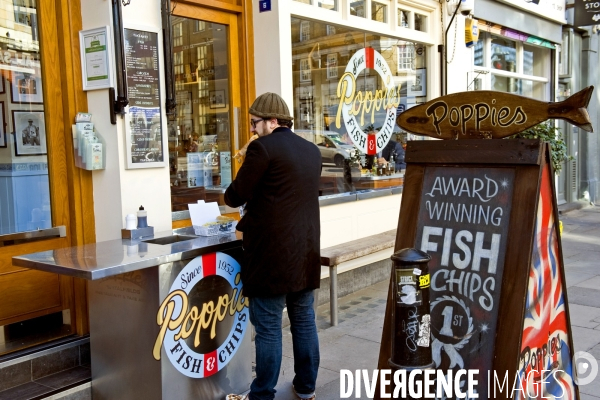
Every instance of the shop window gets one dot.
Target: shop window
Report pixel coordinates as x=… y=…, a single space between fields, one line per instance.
x=513 y=66
x=531 y=89
x=534 y=60
x=25 y=197
x=357 y=8
x=504 y=54
x=478 y=50
x=379 y=12
x=199 y=138
x=420 y=22
x=564 y=54
x=403 y=18
x=317 y=105
x=329 y=4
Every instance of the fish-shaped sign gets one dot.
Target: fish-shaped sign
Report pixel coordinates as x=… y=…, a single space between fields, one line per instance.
x=487 y=114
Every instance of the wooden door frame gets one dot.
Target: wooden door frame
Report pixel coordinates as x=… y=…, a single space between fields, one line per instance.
x=241 y=47
x=70 y=188
x=82 y=227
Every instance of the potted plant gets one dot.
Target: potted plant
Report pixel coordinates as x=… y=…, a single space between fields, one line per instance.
x=550 y=134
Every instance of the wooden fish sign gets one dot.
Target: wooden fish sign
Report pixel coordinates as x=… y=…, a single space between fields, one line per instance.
x=488 y=114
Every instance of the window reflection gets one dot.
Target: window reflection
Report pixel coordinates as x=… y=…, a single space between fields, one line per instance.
x=24 y=184
x=504 y=54
x=403 y=18
x=357 y=8
x=378 y=12
x=534 y=60
x=478 y=50
x=329 y=4
x=199 y=137
x=420 y=23
x=318 y=67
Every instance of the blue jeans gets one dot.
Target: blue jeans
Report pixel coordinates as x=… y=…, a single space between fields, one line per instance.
x=266 y=314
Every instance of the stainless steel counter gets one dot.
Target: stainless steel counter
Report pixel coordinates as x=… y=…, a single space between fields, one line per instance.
x=114 y=257
x=132 y=283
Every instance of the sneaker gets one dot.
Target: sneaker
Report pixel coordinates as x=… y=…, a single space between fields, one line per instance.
x=237 y=397
x=311 y=396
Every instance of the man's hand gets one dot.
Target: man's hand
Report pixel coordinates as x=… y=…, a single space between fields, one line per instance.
x=239 y=156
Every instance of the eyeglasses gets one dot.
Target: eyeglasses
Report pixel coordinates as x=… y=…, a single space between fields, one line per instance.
x=253 y=122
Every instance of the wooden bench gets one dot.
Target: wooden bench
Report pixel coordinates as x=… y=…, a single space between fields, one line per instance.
x=333 y=256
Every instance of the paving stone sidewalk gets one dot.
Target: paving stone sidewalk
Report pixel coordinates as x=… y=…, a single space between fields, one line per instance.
x=354 y=343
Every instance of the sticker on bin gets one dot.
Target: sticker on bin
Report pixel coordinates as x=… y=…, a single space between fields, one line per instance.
x=208 y=221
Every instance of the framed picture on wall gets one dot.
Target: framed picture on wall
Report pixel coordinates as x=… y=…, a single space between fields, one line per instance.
x=3 y=139
x=96 y=52
x=26 y=87
x=416 y=86
x=29 y=129
x=184 y=102
x=217 y=98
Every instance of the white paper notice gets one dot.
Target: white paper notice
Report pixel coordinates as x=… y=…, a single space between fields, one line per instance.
x=96 y=59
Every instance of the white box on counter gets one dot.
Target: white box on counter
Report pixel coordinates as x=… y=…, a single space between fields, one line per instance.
x=223 y=228
x=205 y=219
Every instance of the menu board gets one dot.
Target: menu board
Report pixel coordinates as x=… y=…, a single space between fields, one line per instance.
x=463 y=225
x=145 y=141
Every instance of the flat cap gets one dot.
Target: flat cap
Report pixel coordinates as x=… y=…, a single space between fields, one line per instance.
x=270 y=105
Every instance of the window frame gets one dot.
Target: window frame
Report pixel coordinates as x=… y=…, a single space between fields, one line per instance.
x=486 y=71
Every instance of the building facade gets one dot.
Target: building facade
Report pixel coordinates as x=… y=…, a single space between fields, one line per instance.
x=345 y=68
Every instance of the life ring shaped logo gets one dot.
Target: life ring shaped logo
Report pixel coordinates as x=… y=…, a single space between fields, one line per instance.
x=365 y=104
x=180 y=326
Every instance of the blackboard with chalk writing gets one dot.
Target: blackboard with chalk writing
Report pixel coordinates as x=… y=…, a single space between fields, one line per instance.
x=463 y=225
x=144 y=130
x=485 y=211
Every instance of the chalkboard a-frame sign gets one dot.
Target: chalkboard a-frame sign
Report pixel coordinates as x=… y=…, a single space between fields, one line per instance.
x=485 y=211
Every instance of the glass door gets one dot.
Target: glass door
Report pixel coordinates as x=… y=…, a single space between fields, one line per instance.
x=35 y=306
x=201 y=135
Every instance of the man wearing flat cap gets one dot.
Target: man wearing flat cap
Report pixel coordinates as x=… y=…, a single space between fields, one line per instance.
x=279 y=183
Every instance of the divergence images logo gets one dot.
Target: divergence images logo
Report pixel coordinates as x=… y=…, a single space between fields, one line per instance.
x=365 y=104
x=204 y=317
x=586 y=368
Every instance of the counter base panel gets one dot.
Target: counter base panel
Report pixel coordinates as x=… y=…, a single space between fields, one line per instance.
x=123 y=328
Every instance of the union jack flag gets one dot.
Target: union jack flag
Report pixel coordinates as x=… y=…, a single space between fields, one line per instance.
x=545 y=341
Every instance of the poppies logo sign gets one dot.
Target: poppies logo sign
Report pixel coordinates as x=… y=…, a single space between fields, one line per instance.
x=204 y=317
x=365 y=105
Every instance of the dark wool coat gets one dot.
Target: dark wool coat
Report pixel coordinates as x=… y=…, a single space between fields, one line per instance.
x=279 y=182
